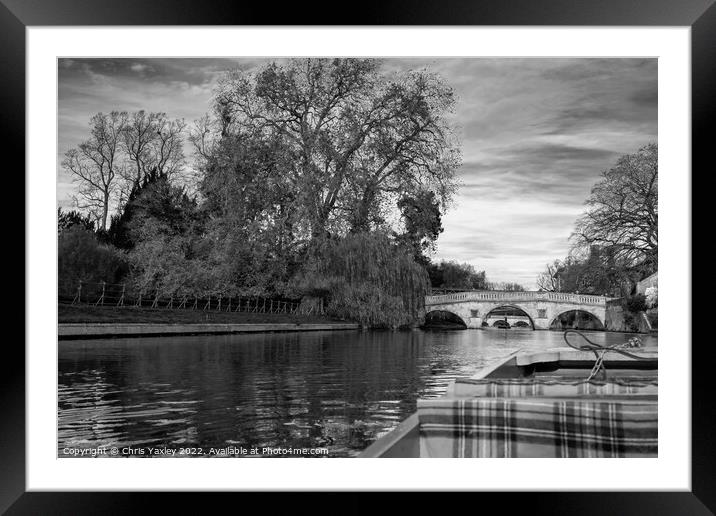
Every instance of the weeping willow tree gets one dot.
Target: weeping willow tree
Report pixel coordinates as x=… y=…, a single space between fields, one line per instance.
x=368 y=278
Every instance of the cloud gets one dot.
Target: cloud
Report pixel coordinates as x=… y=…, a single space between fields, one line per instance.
x=139 y=67
x=536 y=134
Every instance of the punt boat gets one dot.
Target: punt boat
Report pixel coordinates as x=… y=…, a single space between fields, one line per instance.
x=573 y=401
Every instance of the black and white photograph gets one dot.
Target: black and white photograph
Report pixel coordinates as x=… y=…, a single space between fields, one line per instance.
x=344 y=257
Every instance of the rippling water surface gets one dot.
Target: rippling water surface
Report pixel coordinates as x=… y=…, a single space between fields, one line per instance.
x=338 y=390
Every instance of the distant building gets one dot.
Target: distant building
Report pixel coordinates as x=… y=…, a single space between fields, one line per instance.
x=558 y=279
x=648 y=282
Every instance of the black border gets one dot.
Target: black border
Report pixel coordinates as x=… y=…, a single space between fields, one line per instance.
x=700 y=15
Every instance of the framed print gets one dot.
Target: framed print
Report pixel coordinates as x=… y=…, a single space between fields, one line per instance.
x=428 y=235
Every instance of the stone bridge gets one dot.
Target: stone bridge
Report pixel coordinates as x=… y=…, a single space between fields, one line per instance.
x=542 y=308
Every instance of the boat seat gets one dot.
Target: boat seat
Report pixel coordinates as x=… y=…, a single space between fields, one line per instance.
x=538 y=426
x=551 y=386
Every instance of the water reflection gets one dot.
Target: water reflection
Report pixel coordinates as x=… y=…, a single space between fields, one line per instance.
x=340 y=390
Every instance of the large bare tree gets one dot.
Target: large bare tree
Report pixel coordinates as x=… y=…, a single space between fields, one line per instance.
x=622 y=211
x=152 y=141
x=121 y=150
x=95 y=163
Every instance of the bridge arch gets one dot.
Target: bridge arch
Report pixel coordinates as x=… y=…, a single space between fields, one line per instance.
x=444 y=319
x=513 y=313
x=579 y=319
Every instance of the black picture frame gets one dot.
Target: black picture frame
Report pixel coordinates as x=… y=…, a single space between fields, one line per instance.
x=700 y=15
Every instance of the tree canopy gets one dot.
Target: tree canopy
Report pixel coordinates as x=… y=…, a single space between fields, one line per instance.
x=454 y=275
x=345 y=139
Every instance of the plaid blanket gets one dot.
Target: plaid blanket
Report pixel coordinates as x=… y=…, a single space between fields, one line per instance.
x=547 y=387
x=538 y=427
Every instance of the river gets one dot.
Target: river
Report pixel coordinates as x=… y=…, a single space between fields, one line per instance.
x=334 y=390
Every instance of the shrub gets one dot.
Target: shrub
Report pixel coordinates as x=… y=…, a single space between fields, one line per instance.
x=636 y=303
x=81 y=257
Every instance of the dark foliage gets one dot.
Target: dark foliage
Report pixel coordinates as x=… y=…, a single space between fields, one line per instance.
x=81 y=257
x=636 y=303
x=423 y=225
x=454 y=275
x=68 y=219
x=156 y=198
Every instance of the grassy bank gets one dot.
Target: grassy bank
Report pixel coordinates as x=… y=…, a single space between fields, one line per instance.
x=130 y=314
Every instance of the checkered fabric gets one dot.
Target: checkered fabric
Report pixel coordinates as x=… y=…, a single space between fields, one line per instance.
x=519 y=387
x=537 y=427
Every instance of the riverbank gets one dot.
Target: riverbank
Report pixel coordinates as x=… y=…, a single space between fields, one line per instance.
x=109 y=330
x=80 y=321
x=132 y=314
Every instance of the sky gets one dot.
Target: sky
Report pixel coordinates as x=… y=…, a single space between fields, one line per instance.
x=535 y=135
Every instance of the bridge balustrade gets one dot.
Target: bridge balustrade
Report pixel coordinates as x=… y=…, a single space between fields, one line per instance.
x=516 y=296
